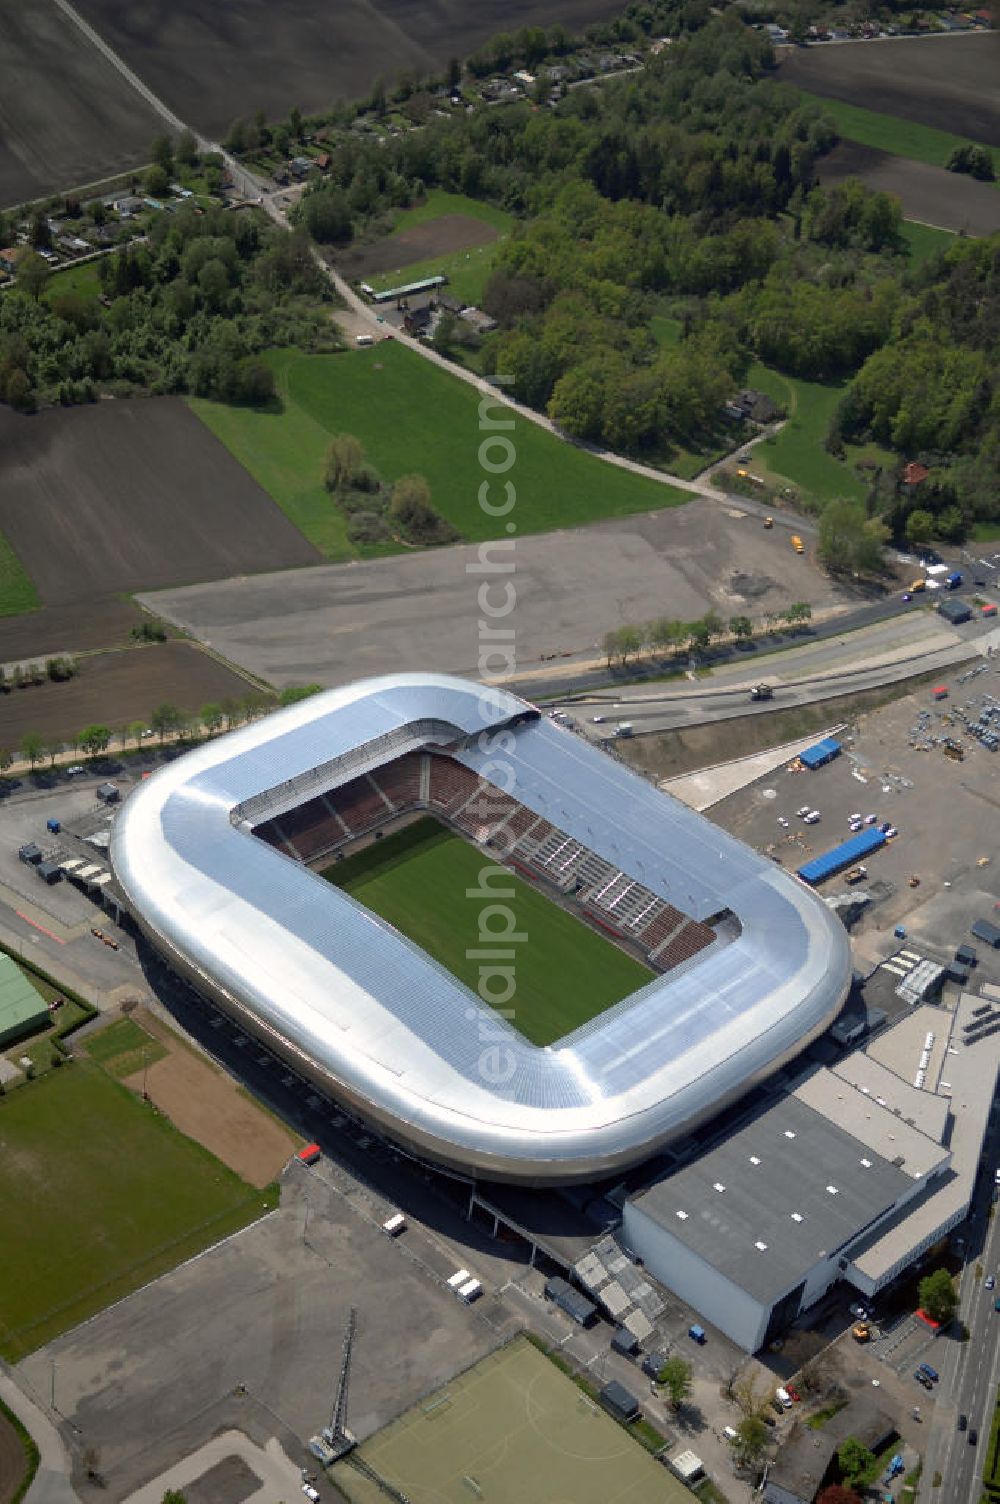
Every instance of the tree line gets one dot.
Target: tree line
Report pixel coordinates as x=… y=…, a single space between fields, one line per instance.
x=167 y=721
x=665 y=634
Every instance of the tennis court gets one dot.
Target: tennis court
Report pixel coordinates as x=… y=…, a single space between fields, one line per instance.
x=512 y=1430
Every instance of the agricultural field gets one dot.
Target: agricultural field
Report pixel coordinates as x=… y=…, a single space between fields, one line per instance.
x=109 y=1195
x=116 y=688
x=52 y=630
x=434 y=431
x=418 y=879
x=930 y=195
x=797 y=453
x=948 y=82
x=903 y=138
x=447 y=235
x=514 y=1430
x=67 y=118
x=131 y=495
x=214 y=63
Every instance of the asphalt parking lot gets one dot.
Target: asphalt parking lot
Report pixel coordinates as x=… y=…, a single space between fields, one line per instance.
x=265 y=1310
x=945 y=811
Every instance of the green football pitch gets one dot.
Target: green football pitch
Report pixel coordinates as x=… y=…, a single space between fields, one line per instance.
x=100 y=1195
x=420 y=880
x=511 y=1430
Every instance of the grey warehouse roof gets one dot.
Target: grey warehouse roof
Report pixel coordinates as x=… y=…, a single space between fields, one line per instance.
x=752 y=1188
x=372 y=1016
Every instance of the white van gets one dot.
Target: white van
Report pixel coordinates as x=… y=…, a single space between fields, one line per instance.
x=784 y=1399
x=457 y=1280
x=470 y=1291
x=364 y=339
x=394 y=1225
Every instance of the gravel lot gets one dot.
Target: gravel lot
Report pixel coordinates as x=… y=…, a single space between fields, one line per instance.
x=338 y=622
x=945 y=812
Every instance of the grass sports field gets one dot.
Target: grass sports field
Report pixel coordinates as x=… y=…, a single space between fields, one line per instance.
x=412 y=416
x=418 y=879
x=904 y=138
x=512 y=1430
x=108 y=1195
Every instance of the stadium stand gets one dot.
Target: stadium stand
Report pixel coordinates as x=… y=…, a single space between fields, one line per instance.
x=400 y=781
x=692 y=938
x=435 y=781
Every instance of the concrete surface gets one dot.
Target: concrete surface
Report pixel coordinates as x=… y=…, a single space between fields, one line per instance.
x=336 y=623
x=701 y=790
x=272 y=1474
x=265 y=1310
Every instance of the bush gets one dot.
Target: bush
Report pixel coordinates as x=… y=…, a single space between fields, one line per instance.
x=368 y=527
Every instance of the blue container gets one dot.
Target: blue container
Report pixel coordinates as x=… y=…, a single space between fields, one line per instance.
x=54 y=826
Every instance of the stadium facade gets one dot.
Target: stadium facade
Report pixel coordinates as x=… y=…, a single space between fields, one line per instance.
x=212 y=856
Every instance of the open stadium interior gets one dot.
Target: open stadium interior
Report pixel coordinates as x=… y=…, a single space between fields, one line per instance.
x=559 y=973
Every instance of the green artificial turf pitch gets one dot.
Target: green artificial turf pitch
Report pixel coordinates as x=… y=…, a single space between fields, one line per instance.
x=420 y=878
x=511 y=1430
x=100 y=1195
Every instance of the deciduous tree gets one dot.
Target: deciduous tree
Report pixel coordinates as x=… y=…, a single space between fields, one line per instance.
x=937 y=1295
x=345 y=458
x=32 y=748
x=675 y=1376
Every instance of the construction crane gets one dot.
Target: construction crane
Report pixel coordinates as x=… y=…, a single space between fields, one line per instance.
x=335 y=1441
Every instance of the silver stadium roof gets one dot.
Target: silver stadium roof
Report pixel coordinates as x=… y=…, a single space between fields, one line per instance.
x=367 y=1014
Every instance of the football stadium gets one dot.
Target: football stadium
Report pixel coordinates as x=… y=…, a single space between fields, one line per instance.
x=508 y=953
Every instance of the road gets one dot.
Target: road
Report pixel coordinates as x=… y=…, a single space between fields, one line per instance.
x=830 y=664
x=970 y=1371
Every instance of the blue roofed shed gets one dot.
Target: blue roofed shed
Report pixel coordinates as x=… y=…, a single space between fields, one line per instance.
x=823 y=752
x=843 y=855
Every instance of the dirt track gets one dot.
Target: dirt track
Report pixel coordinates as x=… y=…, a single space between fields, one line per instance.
x=212 y=63
x=949 y=82
x=932 y=195
x=438 y=237
x=113 y=689
x=131 y=495
x=206 y=1104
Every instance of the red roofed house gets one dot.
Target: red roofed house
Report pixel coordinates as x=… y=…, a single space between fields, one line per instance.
x=914 y=473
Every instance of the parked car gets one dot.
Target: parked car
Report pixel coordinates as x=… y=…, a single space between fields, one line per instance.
x=990 y=1281
x=74 y=771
